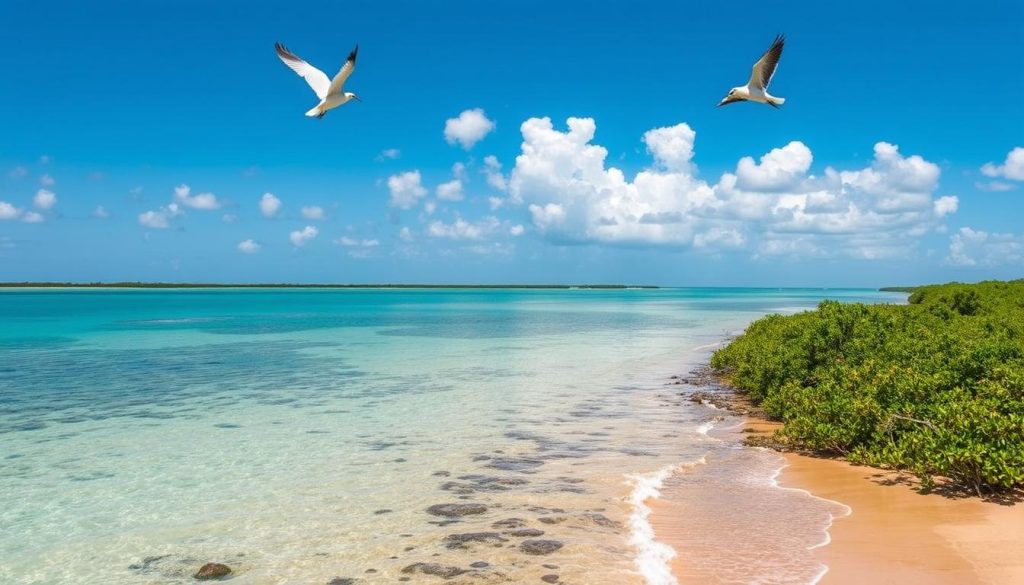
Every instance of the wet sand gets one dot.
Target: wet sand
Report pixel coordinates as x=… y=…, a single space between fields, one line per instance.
x=893 y=535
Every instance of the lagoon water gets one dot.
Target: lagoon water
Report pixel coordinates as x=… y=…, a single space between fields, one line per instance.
x=300 y=435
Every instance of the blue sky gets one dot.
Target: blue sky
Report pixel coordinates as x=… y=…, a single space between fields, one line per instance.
x=892 y=161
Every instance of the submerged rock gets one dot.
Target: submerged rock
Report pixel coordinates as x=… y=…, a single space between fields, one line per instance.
x=212 y=571
x=461 y=540
x=342 y=581
x=436 y=569
x=480 y=565
x=539 y=547
x=509 y=523
x=456 y=510
x=552 y=578
x=526 y=533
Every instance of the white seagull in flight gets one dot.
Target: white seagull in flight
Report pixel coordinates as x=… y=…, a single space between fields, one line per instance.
x=329 y=91
x=756 y=90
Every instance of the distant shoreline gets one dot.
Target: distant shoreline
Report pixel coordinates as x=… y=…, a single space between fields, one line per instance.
x=171 y=285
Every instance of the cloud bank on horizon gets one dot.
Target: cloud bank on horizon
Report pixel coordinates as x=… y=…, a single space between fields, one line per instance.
x=562 y=190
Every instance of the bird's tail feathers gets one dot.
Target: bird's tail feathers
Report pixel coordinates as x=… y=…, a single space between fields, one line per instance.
x=314 y=113
x=777 y=101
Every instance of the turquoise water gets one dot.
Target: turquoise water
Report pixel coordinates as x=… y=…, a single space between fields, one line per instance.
x=300 y=435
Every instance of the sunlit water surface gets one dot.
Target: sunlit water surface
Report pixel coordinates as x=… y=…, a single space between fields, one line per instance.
x=300 y=436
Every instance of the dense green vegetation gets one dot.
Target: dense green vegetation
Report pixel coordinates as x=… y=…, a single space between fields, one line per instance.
x=935 y=387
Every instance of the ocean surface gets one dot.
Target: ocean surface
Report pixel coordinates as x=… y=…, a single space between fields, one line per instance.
x=308 y=435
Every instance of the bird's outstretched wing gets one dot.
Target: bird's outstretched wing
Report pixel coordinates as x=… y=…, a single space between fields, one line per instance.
x=344 y=72
x=314 y=77
x=764 y=69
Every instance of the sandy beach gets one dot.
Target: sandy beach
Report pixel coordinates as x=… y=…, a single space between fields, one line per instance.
x=894 y=534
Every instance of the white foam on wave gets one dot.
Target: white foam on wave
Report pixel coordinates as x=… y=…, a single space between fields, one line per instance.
x=826 y=534
x=653 y=557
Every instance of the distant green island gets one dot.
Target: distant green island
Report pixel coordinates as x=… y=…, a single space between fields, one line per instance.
x=284 y=285
x=934 y=387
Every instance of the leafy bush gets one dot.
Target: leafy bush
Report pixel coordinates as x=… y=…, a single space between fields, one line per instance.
x=935 y=387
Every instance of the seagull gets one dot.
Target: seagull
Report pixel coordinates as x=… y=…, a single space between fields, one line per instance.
x=756 y=90
x=329 y=91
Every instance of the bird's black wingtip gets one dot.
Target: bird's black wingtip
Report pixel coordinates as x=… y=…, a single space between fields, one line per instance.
x=354 y=53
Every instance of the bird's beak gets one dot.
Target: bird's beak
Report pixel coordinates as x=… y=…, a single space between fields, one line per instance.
x=355 y=97
x=728 y=100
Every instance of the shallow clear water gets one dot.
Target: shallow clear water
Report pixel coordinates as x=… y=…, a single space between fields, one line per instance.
x=301 y=435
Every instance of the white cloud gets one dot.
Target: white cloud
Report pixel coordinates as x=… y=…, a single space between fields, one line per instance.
x=248 y=246
x=780 y=170
x=44 y=199
x=430 y=207
x=459 y=171
x=229 y=218
x=47 y=181
x=406 y=189
x=672 y=147
x=100 y=212
x=45 y=159
x=772 y=206
x=469 y=128
x=495 y=202
x=33 y=217
x=8 y=211
x=461 y=229
x=970 y=247
x=450 y=191
x=516 y=230
x=995 y=186
x=313 y=212
x=160 y=219
x=492 y=170
x=18 y=172
x=946 y=205
x=548 y=215
x=354 y=243
x=202 y=201
x=269 y=205
x=1012 y=168
x=388 y=154
x=405 y=234
x=301 y=237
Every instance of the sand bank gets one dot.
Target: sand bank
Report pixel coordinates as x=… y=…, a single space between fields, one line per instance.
x=893 y=535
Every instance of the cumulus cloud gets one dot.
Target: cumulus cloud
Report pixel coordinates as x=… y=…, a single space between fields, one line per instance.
x=492 y=170
x=1012 y=168
x=969 y=247
x=18 y=172
x=671 y=147
x=44 y=199
x=8 y=211
x=299 y=238
x=32 y=217
x=248 y=246
x=495 y=203
x=516 y=230
x=780 y=170
x=461 y=229
x=201 y=201
x=771 y=205
x=406 y=189
x=450 y=191
x=946 y=205
x=47 y=181
x=313 y=212
x=100 y=212
x=269 y=205
x=388 y=154
x=160 y=219
x=469 y=128
x=356 y=243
